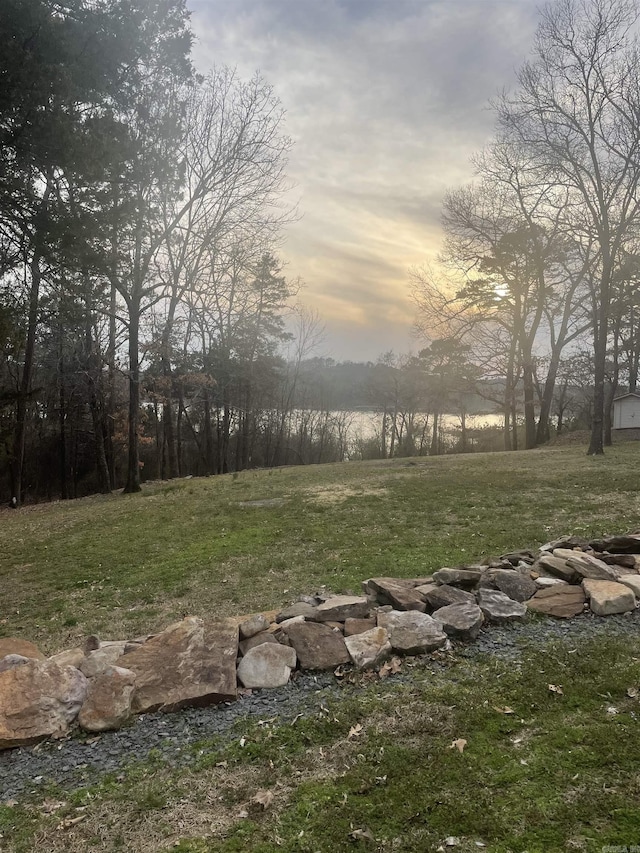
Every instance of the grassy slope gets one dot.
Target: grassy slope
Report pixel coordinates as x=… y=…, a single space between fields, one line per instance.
x=124 y=565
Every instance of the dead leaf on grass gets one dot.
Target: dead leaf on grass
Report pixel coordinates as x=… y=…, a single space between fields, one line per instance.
x=50 y=806
x=505 y=710
x=263 y=798
x=68 y=822
x=361 y=835
x=459 y=744
x=557 y=689
x=391 y=667
x=632 y=692
x=355 y=731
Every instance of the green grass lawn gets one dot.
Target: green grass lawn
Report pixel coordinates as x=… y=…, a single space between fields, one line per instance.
x=560 y=773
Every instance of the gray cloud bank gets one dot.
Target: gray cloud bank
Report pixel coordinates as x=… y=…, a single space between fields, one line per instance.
x=386 y=101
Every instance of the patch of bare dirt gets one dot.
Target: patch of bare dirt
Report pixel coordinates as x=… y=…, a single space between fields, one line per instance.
x=337 y=493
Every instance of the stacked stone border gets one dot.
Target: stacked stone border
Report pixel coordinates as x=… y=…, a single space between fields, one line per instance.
x=196 y=662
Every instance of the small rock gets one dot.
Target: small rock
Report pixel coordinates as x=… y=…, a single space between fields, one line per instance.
x=341 y=607
x=608 y=597
x=267 y=665
x=97 y=661
x=562 y=600
x=369 y=648
x=460 y=620
x=317 y=646
x=300 y=608
x=514 y=584
x=70 y=657
x=358 y=626
x=442 y=595
x=411 y=632
x=108 y=702
x=498 y=607
x=557 y=566
x=627 y=544
x=401 y=595
x=37 y=700
x=257 y=640
x=458 y=577
x=546 y=583
x=586 y=565
x=253 y=625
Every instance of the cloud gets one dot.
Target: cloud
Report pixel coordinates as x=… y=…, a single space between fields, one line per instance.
x=386 y=102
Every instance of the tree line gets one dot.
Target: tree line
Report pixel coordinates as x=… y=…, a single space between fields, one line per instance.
x=538 y=278
x=142 y=302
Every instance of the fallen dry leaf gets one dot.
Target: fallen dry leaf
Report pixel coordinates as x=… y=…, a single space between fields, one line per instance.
x=391 y=667
x=263 y=798
x=361 y=835
x=557 y=689
x=505 y=710
x=355 y=731
x=632 y=692
x=68 y=822
x=459 y=744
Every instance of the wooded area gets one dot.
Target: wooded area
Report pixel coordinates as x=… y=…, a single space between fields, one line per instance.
x=146 y=322
x=545 y=242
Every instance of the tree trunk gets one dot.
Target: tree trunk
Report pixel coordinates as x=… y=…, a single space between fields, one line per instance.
x=133 y=455
x=596 y=445
x=19 y=438
x=529 y=404
x=435 y=448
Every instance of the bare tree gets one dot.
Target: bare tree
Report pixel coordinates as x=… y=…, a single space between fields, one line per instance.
x=576 y=111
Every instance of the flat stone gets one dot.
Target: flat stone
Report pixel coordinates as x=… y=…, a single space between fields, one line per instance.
x=623 y=561
x=107 y=705
x=411 y=632
x=341 y=607
x=69 y=657
x=567 y=542
x=267 y=665
x=457 y=577
x=631 y=581
x=393 y=591
x=608 y=597
x=517 y=557
x=626 y=544
x=557 y=566
x=300 y=608
x=545 y=583
x=424 y=588
x=369 y=648
x=442 y=595
x=460 y=620
x=97 y=661
x=586 y=565
x=189 y=663
x=37 y=700
x=358 y=626
x=317 y=645
x=257 y=640
x=16 y=646
x=253 y=625
x=498 y=607
x=562 y=600
x=513 y=583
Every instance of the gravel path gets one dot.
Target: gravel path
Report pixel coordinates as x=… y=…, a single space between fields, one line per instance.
x=75 y=762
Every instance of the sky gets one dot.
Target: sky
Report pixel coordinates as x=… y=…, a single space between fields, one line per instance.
x=386 y=102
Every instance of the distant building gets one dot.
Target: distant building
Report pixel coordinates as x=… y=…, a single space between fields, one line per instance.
x=626 y=416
